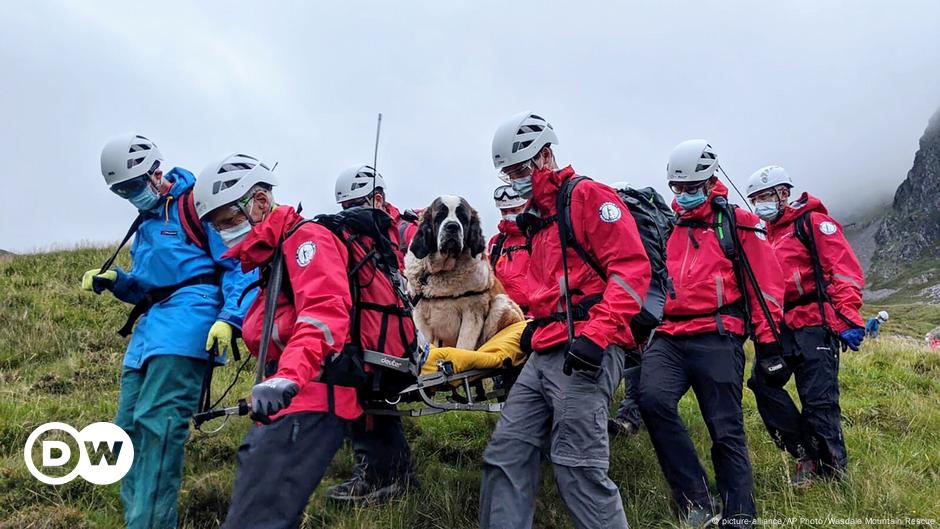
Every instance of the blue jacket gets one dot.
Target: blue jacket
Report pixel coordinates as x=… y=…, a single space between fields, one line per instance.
x=872 y=327
x=163 y=256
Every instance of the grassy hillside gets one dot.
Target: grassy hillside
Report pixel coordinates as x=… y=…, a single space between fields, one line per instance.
x=60 y=360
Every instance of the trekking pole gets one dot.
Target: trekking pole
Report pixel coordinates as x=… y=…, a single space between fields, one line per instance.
x=272 y=291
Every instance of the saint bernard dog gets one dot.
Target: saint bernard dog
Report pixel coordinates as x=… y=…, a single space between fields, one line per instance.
x=459 y=301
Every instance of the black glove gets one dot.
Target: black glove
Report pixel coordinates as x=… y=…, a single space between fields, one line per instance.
x=774 y=369
x=270 y=397
x=583 y=355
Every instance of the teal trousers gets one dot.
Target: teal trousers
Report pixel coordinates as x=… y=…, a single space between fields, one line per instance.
x=154 y=409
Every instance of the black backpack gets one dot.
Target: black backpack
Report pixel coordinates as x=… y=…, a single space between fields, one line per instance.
x=655 y=221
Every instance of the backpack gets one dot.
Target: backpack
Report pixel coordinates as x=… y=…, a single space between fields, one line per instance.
x=654 y=221
x=349 y=366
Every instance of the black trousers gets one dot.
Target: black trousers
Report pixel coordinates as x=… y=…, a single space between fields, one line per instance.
x=279 y=467
x=816 y=431
x=629 y=408
x=380 y=448
x=712 y=365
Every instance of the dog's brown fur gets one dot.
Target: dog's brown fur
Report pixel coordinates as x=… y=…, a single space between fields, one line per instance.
x=462 y=304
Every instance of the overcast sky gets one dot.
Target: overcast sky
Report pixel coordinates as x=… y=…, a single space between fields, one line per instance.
x=836 y=92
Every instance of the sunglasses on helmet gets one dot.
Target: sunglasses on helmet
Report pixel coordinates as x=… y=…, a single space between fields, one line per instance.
x=129 y=188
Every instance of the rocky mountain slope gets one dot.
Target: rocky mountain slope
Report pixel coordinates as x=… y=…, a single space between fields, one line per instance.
x=906 y=258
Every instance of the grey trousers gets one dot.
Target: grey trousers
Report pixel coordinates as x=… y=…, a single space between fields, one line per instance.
x=565 y=416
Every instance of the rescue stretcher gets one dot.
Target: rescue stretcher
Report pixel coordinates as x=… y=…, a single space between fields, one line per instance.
x=448 y=379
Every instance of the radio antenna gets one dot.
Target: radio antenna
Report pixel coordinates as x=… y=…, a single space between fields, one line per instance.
x=747 y=203
x=375 y=157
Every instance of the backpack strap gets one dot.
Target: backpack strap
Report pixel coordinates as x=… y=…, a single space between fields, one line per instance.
x=727 y=232
x=195 y=231
x=565 y=227
x=127 y=236
x=497 y=249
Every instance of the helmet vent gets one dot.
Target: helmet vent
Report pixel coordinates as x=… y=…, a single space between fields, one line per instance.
x=134 y=161
x=239 y=166
x=529 y=128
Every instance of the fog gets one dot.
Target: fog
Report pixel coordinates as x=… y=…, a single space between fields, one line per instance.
x=836 y=92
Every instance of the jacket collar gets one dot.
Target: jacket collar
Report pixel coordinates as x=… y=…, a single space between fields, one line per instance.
x=805 y=203
x=259 y=246
x=545 y=186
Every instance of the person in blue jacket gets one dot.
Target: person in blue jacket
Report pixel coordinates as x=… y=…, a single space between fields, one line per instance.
x=873 y=326
x=186 y=306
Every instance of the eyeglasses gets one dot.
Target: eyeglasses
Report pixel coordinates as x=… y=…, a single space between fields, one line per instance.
x=690 y=188
x=129 y=188
x=764 y=196
x=519 y=170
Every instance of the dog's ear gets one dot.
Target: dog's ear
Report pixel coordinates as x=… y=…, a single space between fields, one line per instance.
x=425 y=241
x=474 y=234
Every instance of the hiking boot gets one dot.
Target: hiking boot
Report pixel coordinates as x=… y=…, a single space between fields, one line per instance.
x=805 y=474
x=359 y=491
x=699 y=517
x=617 y=427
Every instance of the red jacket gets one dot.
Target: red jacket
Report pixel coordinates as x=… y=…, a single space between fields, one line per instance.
x=512 y=265
x=703 y=279
x=606 y=230
x=317 y=323
x=842 y=273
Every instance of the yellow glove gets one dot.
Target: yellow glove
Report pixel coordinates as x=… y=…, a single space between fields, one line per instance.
x=97 y=281
x=220 y=333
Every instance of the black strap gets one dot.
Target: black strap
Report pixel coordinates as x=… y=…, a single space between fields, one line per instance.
x=566 y=228
x=579 y=312
x=497 y=249
x=159 y=295
x=130 y=233
x=742 y=266
x=806 y=235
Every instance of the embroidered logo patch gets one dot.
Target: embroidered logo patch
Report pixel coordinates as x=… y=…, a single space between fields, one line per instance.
x=827 y=228
x=305 y=253
x=609 y=212
x=762 y=235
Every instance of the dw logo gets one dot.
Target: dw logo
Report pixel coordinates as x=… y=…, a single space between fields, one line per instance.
x=105 y=453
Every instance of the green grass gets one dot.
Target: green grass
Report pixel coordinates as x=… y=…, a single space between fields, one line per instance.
x=60 y=360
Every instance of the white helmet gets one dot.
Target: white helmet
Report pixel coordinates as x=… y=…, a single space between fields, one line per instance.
x=357 y=181
x=506 y=197
x=622 y=185
x=767 y=178
x=883 y=315
x=691 y=161
x=228 y=180
x=520 y=138
x=128 y=156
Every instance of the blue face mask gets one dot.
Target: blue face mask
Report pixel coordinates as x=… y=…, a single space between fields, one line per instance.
x=522 y=186
x=689 y=201
x=146 y=200
x=766 y=210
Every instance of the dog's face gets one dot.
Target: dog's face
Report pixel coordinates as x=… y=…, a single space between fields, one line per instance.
x=449 y=226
